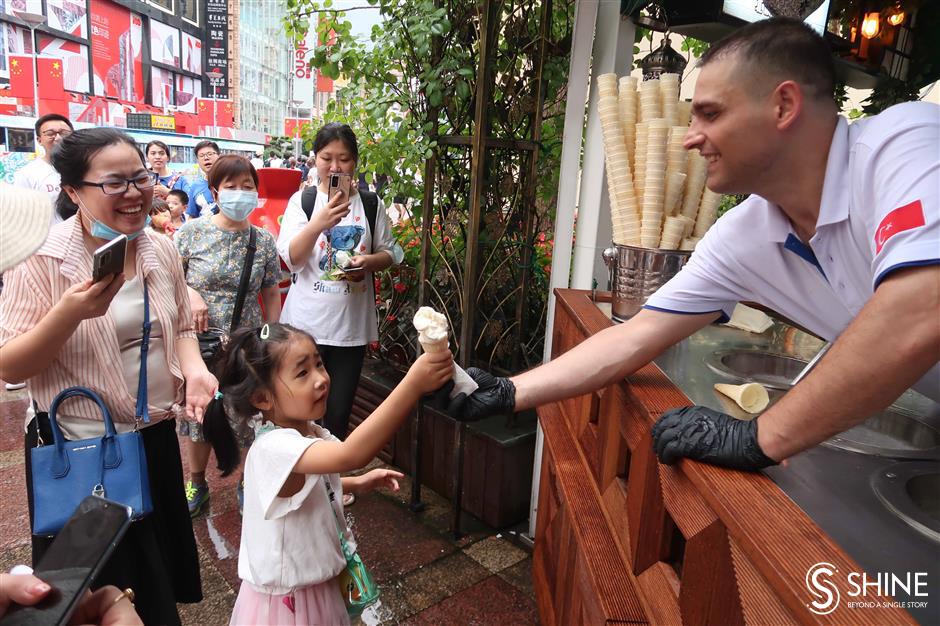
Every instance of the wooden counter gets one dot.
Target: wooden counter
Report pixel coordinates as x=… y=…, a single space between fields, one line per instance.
x=621 y=538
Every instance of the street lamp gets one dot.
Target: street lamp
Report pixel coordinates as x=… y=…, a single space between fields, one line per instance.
x=214 y=76
x=32 y=21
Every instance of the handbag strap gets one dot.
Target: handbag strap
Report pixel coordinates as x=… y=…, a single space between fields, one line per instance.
x=142 y=411
x=340 y=528
x=243 y=281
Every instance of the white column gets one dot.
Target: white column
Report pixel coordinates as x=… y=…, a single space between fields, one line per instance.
x=599 y=33
x=613 y=52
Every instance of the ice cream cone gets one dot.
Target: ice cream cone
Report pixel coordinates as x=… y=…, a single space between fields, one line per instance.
x=751 y=397
x=441 y=345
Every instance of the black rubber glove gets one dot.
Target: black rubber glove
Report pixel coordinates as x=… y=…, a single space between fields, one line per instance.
x=495 y=395
x=703 y=434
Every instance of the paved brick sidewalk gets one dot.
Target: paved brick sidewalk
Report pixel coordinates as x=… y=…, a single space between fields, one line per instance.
x=426 y=576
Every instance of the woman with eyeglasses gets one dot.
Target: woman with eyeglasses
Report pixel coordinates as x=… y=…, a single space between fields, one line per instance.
x=61 y=329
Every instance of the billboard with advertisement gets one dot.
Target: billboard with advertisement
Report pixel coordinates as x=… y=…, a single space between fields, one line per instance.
x=69 y=16
x=117 y=51
x=217 y=46
x=303 y=82
x=192 y=53
x=74 y=57
x=164 y=43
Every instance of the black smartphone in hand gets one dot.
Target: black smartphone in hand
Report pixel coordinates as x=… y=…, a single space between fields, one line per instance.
x=109 y=258
x=71 y=563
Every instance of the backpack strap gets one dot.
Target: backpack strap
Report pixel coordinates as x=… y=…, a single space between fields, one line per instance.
x=370 y=202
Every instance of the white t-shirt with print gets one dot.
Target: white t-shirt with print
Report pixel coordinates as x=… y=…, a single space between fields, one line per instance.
x=41 y=176
x=336 y=313
x=288 y=543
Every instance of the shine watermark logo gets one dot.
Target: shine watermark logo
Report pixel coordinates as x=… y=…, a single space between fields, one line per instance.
x=824 y=591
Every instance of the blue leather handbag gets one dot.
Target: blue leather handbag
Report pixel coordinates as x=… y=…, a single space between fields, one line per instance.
x=112 y=466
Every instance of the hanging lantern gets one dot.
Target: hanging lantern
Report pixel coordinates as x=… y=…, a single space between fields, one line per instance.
x=663 y=60
x=871 y=25
x=896 y=14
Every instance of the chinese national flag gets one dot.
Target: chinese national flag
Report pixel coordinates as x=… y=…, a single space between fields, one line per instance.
x=204 y=111
x=225 y=114
x=21 y=76
x=51 y=86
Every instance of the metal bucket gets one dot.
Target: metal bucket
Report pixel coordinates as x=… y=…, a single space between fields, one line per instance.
x=636 y=273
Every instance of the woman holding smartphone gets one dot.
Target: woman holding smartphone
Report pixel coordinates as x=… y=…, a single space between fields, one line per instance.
x=333 y=256
x=158 y=155
x=61 y=329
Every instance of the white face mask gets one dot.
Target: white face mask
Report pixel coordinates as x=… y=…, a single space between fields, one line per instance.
x=237 y=204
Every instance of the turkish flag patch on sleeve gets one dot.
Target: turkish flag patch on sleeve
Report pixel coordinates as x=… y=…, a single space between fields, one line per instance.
x=902 y=218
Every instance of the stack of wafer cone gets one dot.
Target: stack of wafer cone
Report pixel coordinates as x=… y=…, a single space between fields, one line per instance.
x=620 y=188
x=650 y=100
x=628 y=113
x=639 y=159
x=707 y=212
x=688 y=243
x=654 y=186
x=669 y=96
x=694 y=183
x=673 y=229
x=685 y=113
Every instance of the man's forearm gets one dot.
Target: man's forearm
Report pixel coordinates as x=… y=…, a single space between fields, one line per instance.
x=606 y=357
x=893 y=341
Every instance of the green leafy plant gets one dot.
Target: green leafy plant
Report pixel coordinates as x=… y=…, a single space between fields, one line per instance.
x=413 y=82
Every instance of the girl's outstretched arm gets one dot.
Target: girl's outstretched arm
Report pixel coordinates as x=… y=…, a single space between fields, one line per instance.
x=428 y=373
x=372 y=480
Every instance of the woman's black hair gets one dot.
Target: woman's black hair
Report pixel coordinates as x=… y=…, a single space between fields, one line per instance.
x=160 y=145
x=336 y=131
x=72 y=158
x=246 y=364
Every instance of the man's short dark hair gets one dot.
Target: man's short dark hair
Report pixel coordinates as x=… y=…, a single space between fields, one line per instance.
x=781 y=47
x=205 y=143
x=52 y=117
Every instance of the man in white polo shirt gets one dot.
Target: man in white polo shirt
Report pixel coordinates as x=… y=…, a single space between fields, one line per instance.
x=841 y=235
x=39 y=174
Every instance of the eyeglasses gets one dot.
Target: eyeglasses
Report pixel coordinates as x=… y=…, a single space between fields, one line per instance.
x=49 y=134
x=118 y=187
x=207 y=155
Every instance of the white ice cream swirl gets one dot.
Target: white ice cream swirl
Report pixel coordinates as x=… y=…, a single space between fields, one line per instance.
x=431 y=325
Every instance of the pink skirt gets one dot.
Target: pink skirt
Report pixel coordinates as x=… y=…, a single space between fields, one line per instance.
x=316 y=604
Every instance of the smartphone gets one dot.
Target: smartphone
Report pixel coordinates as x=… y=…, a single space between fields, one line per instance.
x=339 y=182
x=72 y=561
x=109 y=258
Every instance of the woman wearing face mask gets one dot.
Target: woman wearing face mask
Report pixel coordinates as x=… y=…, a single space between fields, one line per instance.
x=59 y=329
x=213 y=249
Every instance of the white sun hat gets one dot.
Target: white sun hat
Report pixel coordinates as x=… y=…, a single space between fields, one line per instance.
x=24 y=223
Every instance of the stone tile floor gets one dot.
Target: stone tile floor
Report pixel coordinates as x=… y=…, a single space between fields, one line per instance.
x=426 y=576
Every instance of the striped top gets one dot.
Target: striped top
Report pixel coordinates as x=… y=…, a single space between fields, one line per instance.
x=92 y=355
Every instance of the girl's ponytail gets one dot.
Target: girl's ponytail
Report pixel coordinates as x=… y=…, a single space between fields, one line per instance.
x=235 y=385
x=219 y=433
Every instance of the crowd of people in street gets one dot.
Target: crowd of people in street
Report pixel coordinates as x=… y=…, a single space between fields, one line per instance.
x=224 y=365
